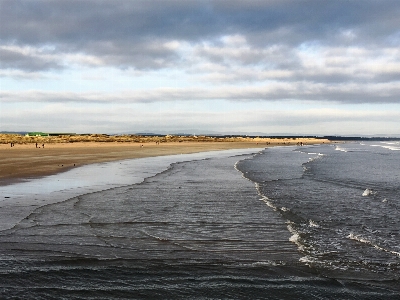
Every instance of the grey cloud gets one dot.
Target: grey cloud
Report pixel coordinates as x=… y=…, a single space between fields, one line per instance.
x=277 y=56
x=10 y=59
x=98 y=27
x=152 y=54
x=294 y=22
x=122 y=118
x=77 y=22
x=311 y=117
x=120 y=33
x=235 y=63
x=341 y=93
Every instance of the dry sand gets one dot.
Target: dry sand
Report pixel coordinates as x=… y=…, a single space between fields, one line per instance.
x=26 y=161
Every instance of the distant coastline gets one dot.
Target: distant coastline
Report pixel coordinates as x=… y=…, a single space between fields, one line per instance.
x=40 y=137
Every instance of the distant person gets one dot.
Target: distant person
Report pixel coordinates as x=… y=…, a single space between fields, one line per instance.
x=43 y=145
x=36 y=145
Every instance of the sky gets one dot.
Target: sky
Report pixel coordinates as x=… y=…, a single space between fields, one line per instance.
x=307 y=67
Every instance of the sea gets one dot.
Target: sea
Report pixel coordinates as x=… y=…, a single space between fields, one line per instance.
x=290 y=222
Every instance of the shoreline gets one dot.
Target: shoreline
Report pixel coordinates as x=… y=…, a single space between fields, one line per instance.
x=22 y=198
x=25 y=161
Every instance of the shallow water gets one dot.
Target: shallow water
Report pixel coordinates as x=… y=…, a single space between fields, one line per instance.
x=18 y=200
x=275 y=225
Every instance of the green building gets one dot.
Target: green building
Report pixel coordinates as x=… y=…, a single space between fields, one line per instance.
x=37 y=134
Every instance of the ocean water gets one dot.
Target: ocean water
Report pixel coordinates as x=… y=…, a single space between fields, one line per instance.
x=311 y=222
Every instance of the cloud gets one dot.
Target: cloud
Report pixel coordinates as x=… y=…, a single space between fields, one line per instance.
x=145 y=52
x=121 y=33
x=132 y=34
x=27 y=58
x=274 y=91
x=123 y=118
x=313 y=63
x=21 y=75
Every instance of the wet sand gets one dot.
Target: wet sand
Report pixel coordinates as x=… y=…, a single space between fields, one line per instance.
x=25 y=161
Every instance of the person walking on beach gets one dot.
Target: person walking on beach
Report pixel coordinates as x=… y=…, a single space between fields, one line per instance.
x=36 y=145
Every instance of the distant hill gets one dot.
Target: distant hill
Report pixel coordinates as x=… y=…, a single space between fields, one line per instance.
x=14 y=132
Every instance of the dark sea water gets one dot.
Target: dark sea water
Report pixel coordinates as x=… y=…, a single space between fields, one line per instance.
x=313 y=222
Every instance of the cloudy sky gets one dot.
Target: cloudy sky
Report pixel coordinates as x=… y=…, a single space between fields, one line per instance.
x=270 y=66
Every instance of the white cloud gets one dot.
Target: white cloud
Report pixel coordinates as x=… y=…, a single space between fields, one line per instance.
x=126 y=118
x=271 y=91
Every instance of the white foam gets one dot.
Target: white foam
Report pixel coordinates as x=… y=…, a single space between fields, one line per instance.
x=393 y=146
x=267 y=201
x=391 y=143
x=308 y=259
x=311 y=223
x=368 y=192
x=266 y=263
x=295 y=238
x=338 y=148
x=370 y=243
x=318 y=156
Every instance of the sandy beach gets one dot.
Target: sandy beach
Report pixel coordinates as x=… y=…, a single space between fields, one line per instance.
x=24 y=161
